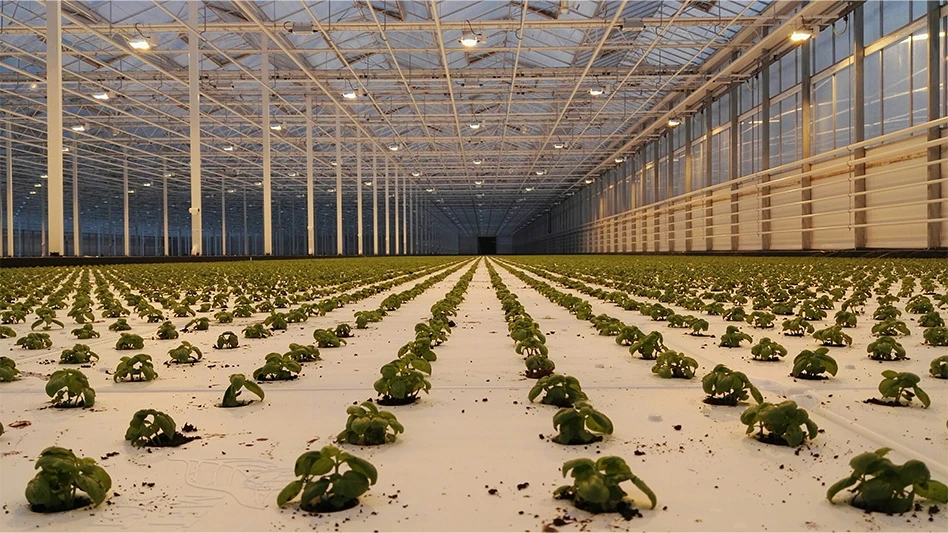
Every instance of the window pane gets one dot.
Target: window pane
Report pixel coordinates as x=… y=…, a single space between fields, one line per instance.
x=844 y=102
x=873 y=68
x=895 y=14
x=895 y=86
x=919 y=77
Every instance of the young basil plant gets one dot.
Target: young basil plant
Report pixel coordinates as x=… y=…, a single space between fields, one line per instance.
x=698 y=327
x=303 y=353
x=85 y=332
x=886 y=349
x=672 y=364
x=538 y=366
x=810 y=364
x=648 y=346
x=167 y=331
x=899 y=385
x=327 y=338
x=580 y=424
x=780 y=424
x=336 y=491
x=846 y=319
x=79 y=354
x=256 y=331
x=149 y=427
x=363 y=318
x=367 y=426
x=931 y=320
x=937 y=336
x=343 y=331
x=61 y=475
x=129 y=341
x=120 y=325
x=402 y=380
x=8 y=370
x=880 y=484
x=595 y=486
x=768 y=350
x=185 y=353
x=938 y=369
x=628 y=335
x=69 y=387
x=197 y=324
x=226 y=341
x=833 y=336
x=761 y=319
x=558 y=390
x=727 y=387
x=7 y=332
x=238 y=382
x=733 y=336
x=797 y=327
x=35 y=341
x=135 y=368
x=278 y=368
x=890 y=327
x=47 y=319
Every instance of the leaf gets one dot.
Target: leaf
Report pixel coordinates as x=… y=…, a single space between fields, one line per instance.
x=932 y=490
x=645 y=488
x=289 y=492
x=922 y=396
x=321 y=466
x=254 y=388
x=351 y=484
x=91 y=487
x=599 y=423
x=363 y=467
x=315 y=490
x=840 y=485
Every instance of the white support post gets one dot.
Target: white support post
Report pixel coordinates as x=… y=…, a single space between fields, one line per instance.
x=54 y=130
x=246 y=235
x=76 y=235
x=404 y=215
x=338 y=141
x=267 y=190
x=388 y=234
x=359 y=236
x=194 y=104
x=375 y=202
x=164 y=210
x=398 y=241
x=126 y=239
x=310 y=213
x=10 y=249
x=223 y=217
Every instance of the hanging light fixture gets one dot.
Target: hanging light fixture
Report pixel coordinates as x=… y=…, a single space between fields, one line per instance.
x=674 y=122
x=103 y=95
x=478 y=182
x=140 y=41
x=79 y=127
x=619 y=159
x=393 y=147
x=416 y=174
x=801 y=34
x=476 y=161
x=277 y=127
x=469 y=39
x=587 y=181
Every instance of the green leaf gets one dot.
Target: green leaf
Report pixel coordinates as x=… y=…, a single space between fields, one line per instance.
x=932 y=490
x=840 y=485
x=322 y=466
x=645 y=488
x=363 y=467
x=351 y=484
x=289 y=492
x=922 y=396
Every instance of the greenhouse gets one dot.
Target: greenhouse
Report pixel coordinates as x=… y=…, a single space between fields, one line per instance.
x=496 y=265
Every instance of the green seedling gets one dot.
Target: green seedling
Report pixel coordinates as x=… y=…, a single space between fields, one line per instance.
x=327 y=338
x=797 y=327
x=256 y=331
x=761 y=319
x=733 y=336
x=343 y=331
x=538 y=366
x=69 y=387
x=278 y=368
x=931 y=319
x=8 y=370
x=596 y=489
x=898 y=385
x=810 y=364
x=238 y=382
x=7 y=332
x=276 y=321
x=580 y=424
x=648 y=346
x=47 y=319
x=881 y=486
x=303 y=353
x=846 y=319
x=937 y=336
x=558 y=390
x=130 y=341
x=79 y=354
x=185 y=353
x=672 y=364
x=735 y=314
x=149 y=427
x=328 y=493
x=939 y=367
x=197 y=324
x=833 y=336
x=363 y=318
x=698 y=327
x=85 y=332
x=784 y=423
x=628 y=335
x=135 y=368
x=35 y=341
x=727 y=387
x=768 y=350
x=61 y=476
x=224 y=317
x=226 y=341
x=120 y=325
x=367 y=426
x=167 y=331
x=885 y=312
x=402 y=380
x=886 y=349
x=890 y=327
x=919 y=305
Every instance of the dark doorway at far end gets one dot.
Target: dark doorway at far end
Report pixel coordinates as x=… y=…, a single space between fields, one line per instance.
x=486 y=245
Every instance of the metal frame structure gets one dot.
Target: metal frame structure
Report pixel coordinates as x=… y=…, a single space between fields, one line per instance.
x=288 y=103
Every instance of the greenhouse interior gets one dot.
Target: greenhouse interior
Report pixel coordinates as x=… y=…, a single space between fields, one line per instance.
x=457 y=265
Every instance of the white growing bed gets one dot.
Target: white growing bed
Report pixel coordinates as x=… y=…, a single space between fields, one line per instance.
x=456 y=447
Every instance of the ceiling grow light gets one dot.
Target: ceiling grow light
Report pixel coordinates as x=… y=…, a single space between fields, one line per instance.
x=140 y=41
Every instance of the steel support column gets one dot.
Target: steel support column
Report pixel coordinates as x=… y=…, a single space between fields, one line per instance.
x=164 y=210
x=223 y=217
x=397 y=239
x=733 y=160
x=359 y=236
x=54 y=128
x=765 y=224
x=9 y=180
x=194 y=104
x=935 y=187
x=388 y=232
x=806 y=192
x=126 y=238
x=338 y=140
x=267 y=183
x=860 y=234
x=76 y=233
x=310 y=201
x=375 y=201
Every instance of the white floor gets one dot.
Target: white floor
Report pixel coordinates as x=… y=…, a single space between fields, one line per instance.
x=472 y=434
